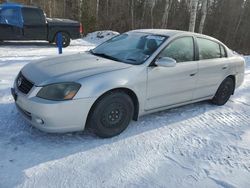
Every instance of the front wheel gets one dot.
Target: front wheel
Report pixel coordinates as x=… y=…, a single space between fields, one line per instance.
x=224 y=92
x=65 y=40
x=111 y=114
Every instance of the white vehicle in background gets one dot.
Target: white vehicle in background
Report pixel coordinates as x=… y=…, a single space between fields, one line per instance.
x=133 y=74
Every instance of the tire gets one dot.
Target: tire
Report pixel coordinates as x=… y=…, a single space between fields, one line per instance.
x=65 y=39
x=224 y=92
x=111 y=114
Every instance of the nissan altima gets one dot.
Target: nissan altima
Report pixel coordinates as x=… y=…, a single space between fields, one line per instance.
x=130 y=75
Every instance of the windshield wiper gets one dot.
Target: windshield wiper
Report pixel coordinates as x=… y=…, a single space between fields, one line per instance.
x=105 y=56
x=130 y=59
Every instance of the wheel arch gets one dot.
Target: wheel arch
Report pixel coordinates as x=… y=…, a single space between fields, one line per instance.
x=128 y=91
x=61 y=31
x=233 y=77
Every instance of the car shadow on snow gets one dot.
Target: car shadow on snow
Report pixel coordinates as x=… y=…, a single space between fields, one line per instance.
x=27 y=43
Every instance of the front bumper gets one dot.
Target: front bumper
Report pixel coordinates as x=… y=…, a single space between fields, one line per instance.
x=54 y=116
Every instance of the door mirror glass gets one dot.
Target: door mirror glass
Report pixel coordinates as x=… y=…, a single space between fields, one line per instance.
x=166 y=62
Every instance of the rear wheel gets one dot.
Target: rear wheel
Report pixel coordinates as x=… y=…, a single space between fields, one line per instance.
x=224 y=92
x=111 y=114
x=65 y=39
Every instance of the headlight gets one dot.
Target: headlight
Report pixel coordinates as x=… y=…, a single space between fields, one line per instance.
x=59 y=92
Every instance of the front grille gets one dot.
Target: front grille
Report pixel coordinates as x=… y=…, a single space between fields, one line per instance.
x=23 y=84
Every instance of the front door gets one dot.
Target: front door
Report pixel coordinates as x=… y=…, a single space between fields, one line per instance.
x=10 y=24
x=173 y=85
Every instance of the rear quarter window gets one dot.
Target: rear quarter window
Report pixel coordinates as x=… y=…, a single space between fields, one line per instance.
x=208 y=49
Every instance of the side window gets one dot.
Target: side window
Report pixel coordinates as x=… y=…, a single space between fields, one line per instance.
x=181 y=50
x=208 y=49
x=32 y=16
x=9 y=16
x=223 y=51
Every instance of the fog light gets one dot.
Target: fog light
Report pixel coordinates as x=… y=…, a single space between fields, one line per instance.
x=39 y=121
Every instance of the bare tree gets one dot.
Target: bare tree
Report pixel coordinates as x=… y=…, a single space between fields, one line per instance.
x=166 y=13
x=240 y=19
x=145 y=3
x=132 y=14
x=193 y=13
x=153 y=2
x=50 y=8
x=97 y=10
x=204 y=8
x=107 y=10
x=64 y=7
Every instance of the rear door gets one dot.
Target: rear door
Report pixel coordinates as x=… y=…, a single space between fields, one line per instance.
x=213 y=66
x=35 y=26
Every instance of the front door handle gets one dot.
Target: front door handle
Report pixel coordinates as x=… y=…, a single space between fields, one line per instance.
x=193 y=74
x=224 y=68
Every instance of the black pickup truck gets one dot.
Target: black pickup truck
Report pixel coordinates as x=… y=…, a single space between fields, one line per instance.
x=21 y=22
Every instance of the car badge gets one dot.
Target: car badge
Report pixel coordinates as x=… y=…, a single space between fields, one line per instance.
x=19 y=81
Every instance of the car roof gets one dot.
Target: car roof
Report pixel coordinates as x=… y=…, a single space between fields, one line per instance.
x=171 y=33
x=164 y=32
x=15 y=5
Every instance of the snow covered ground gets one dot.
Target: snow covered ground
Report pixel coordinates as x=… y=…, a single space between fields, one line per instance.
x=198 y=145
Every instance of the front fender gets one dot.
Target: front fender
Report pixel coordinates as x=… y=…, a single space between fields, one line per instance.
x=133 y=78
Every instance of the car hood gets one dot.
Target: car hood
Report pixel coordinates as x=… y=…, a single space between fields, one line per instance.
x=69 y=68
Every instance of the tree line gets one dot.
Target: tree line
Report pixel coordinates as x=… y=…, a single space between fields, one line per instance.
x=226 y=20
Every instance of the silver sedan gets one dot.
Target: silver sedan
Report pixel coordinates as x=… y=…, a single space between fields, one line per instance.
x=130 y=75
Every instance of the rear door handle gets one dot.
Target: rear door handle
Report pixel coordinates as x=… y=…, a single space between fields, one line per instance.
x=193 y=74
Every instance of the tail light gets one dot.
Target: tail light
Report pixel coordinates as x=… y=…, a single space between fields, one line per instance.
x=81 y=29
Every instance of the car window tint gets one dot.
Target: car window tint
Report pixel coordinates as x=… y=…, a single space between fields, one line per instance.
x=181 y=50
x=223 y=51
x=9 y=16
x=32 y=16
x=208 y=49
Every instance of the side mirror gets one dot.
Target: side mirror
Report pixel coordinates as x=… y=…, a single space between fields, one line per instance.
x=166 y=62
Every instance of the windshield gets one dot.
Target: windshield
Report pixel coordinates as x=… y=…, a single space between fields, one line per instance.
x=132 y=48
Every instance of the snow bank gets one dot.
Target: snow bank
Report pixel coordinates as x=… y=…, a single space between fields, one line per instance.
x=247 y=58
x=96 y=38
x=101 y=36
